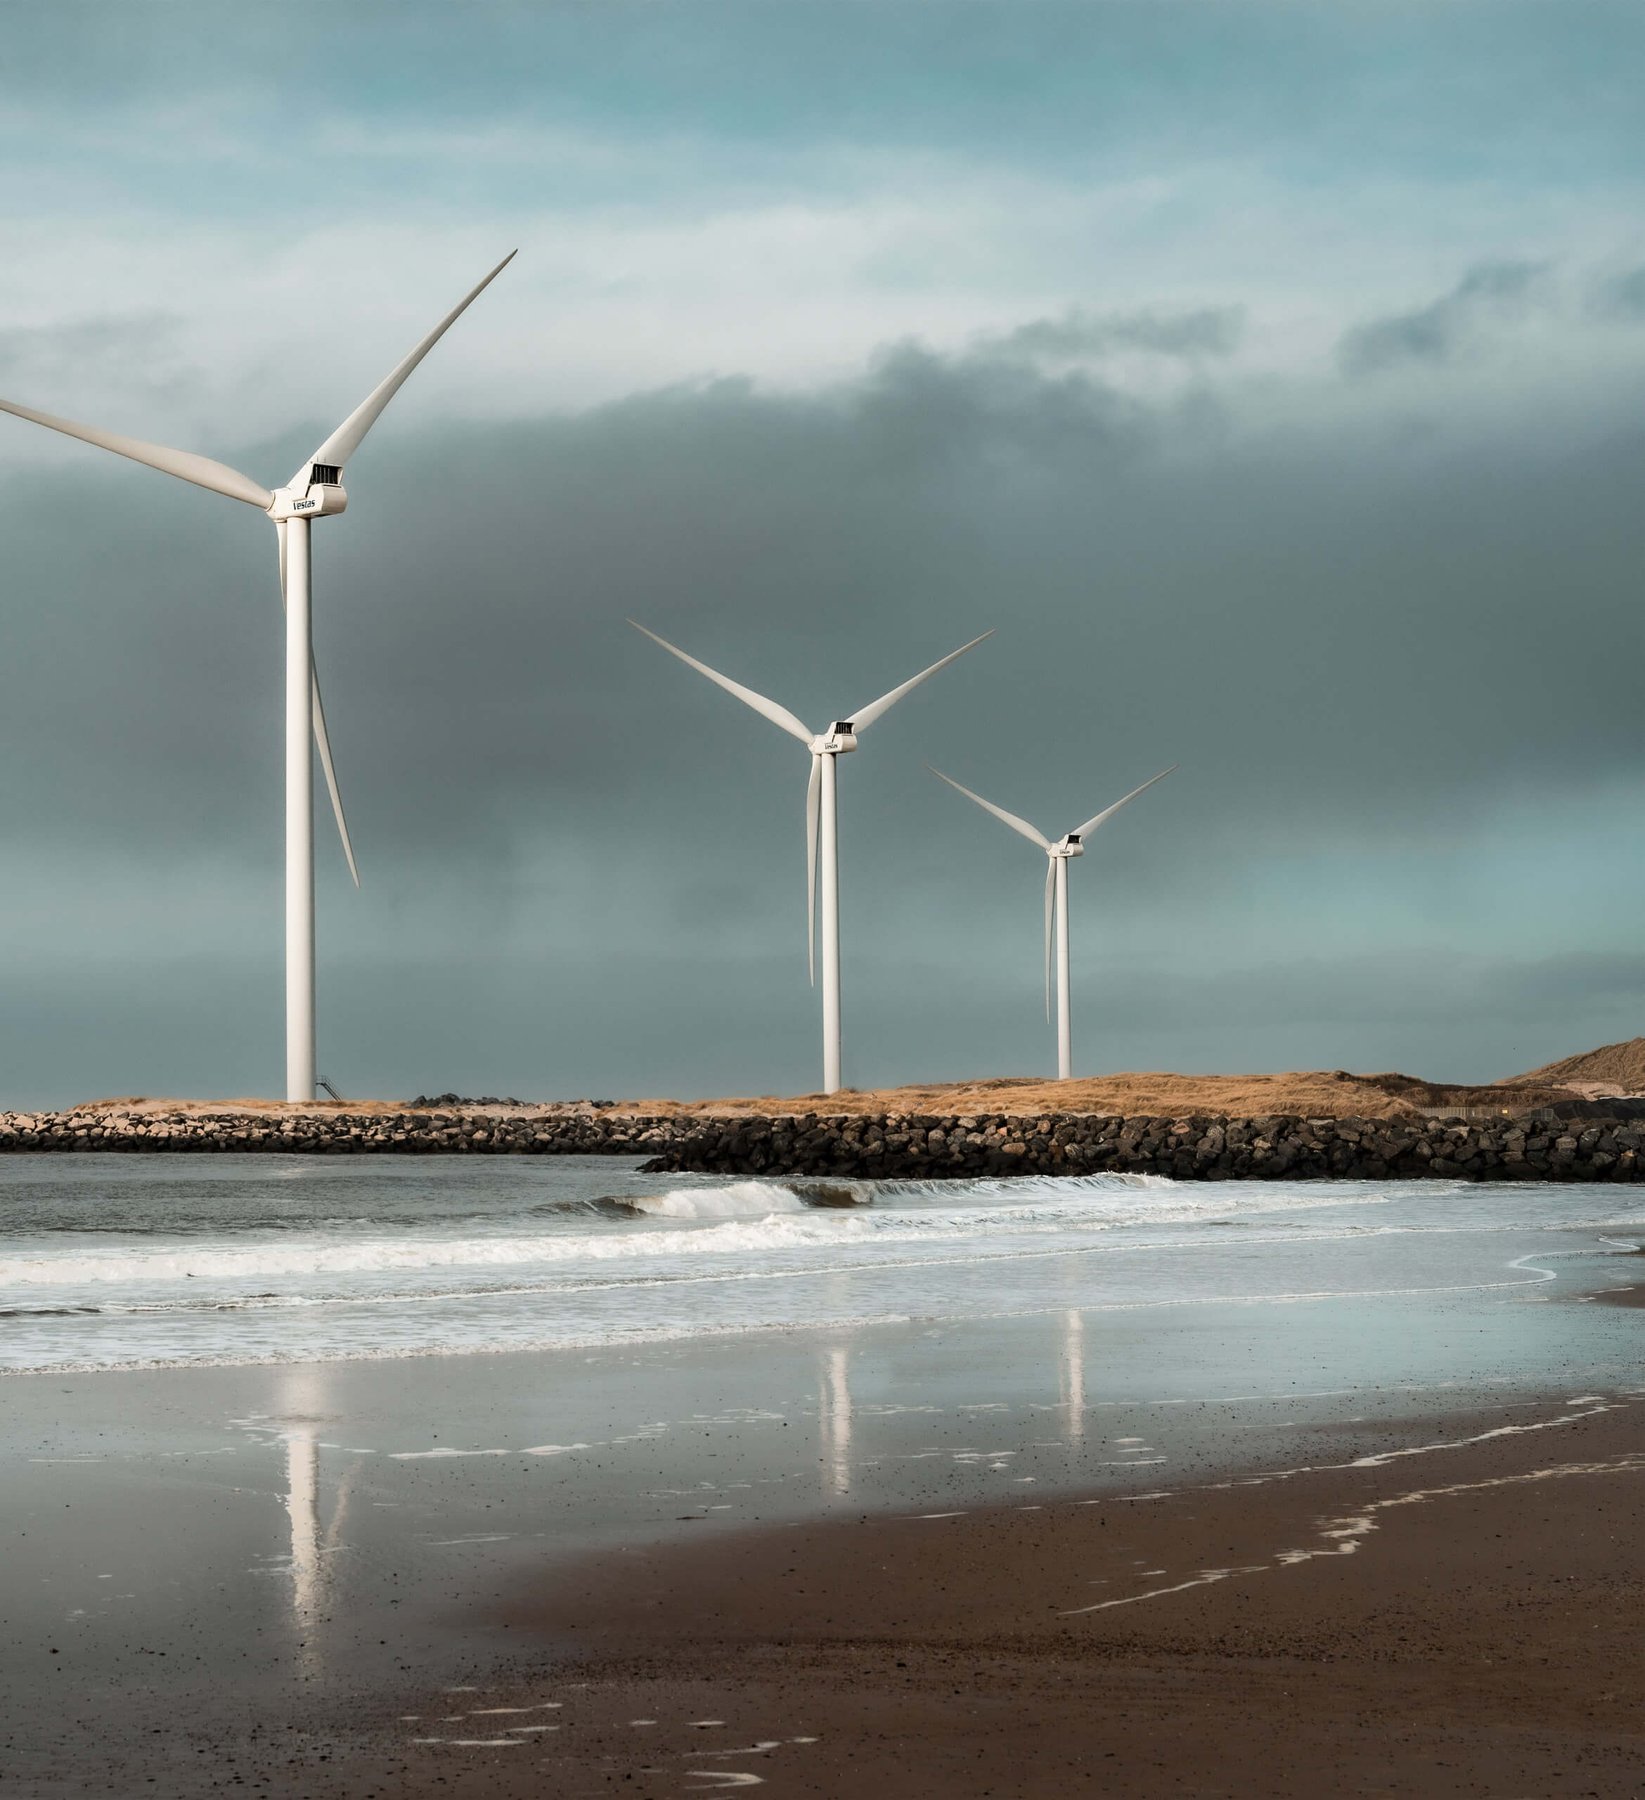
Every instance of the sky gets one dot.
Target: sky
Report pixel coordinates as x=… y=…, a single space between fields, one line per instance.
x=1269 y=377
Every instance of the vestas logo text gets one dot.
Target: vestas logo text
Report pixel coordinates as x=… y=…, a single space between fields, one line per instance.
x=304 y=505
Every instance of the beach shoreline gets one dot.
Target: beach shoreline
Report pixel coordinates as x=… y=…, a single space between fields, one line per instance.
x=1381 y=1589
x=1439 y=1604
x=1439 y=1613
x=1536 y=1146
x=845 y=1493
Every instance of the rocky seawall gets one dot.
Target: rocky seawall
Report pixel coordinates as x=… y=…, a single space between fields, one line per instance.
x=891 y=1146
x=1186 y=1149
x=473 y=1131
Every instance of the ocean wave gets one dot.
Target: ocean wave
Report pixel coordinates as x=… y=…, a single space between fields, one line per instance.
x=770 y=1219
x=939 y=1253
x=740 y=1200
x=973 y=1187
x=608 y=1335
x=601 y=1337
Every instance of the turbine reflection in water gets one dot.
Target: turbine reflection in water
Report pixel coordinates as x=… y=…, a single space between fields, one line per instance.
x=312 y=1544
x=834 y=1420
x=1073 y=1374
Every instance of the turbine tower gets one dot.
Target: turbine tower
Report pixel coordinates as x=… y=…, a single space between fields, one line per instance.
x=821 y=823
x=314 y=492
x=1056 y=899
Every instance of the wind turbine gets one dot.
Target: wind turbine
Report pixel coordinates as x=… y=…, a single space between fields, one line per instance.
x=1056 y=898
x=821 y=823
x=314 y=492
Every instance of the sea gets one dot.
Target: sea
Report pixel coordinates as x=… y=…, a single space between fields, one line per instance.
x=110 y=1262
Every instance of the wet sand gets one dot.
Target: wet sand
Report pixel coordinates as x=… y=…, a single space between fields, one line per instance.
x=1446 y=1611
x=323 y=1579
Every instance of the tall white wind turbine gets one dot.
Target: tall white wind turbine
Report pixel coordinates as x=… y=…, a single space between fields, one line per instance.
x=1056 y=899
x=821 y=823
x=314 y=492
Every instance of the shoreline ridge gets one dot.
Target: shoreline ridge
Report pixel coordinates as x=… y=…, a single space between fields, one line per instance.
x=889 y=1145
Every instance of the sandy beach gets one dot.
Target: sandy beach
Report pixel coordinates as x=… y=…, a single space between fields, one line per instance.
x=1450 y=1611
x=583 y=1487
x=1440 y=1604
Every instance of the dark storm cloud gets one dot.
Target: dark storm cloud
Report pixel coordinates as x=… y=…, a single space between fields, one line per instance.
x=1373 y=650
x=1081 y=332
x=1435 y=333
x=1328 y=606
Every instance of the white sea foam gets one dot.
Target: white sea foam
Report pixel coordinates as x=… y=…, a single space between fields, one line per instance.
x=516 y=1255
x=745 y=1218
x=987 y=1186
x=741 y=1200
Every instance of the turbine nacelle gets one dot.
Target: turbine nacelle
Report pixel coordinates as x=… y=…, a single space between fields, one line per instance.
x=1068 y=846
x=838 y=740
x=322 y=496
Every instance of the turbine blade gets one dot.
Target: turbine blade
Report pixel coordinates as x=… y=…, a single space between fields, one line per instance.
x=999 y=812
x=184 y=464
x=345 y=440
x=866 y=717
x=1108 y=812
x=1050 y=916
x=322 y=743
x=768 y=709
x=322 y=739
x=813 y=813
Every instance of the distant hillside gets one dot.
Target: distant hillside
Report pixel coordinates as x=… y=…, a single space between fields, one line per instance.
x=1611 y=1069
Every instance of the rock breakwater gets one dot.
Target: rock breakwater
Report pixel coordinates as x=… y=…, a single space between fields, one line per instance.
x=887 y=1146
x=469 y=1131
x=1185 y=1149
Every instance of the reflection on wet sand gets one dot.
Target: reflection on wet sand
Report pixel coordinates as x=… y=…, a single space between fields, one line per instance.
x=302 y=1406
x=834 y=1420
x=303 y=1504
x=1073 y=1374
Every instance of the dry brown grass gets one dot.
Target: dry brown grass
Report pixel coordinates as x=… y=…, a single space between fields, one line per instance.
x=1313 y=1093
x=1610 y=1070
x=1316 y=1093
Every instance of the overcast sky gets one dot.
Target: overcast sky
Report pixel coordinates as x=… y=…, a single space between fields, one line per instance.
x=1271 y=378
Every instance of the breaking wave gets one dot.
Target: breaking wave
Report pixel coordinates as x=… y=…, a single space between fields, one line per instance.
x=403 y=1260
x=741 y=1200
x=748 y=1217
